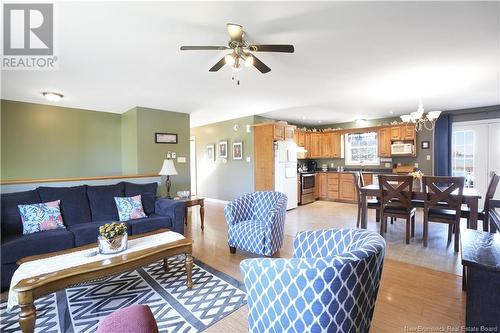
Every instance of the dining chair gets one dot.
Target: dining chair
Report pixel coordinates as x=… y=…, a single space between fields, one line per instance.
x=442 y=205
x=395 y=202
x=482 y=213
x=372 y=203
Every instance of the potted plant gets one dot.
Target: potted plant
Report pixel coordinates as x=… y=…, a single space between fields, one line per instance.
x=112 y=238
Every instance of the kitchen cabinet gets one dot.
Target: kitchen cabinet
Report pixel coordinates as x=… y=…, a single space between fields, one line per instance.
x=395 y=133
x=289 y=132
x=316 y=187
x=335 y=142
x=299 y=194
x=326 y=145
x=332 y=186
x=315 y=145
x=384 y=142
x=347 y=190
x=301 y=139
x=279 y=132
x=408 y=132
x=307 y=146
x=367 y=179
x=322 y=184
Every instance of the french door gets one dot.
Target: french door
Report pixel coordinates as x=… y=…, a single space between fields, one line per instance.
x=476 y=152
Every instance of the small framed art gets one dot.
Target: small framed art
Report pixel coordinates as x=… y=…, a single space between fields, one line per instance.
x=237 y=150
x=165 y=138
x=222 y=149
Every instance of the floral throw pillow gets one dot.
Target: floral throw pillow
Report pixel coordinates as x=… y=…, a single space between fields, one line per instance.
x=41 y=217
x=129 y=208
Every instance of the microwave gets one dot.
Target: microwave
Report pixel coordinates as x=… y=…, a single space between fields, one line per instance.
x=400 y=148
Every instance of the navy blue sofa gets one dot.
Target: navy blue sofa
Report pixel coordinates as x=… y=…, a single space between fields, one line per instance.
x=84 y=208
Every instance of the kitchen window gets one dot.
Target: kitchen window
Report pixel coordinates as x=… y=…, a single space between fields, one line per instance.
x=361 y=149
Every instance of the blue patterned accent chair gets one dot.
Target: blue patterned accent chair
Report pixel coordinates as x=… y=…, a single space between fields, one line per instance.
x=256 y=222
x=329 y=285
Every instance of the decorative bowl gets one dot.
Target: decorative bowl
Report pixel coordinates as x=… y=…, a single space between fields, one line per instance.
x=183 y=194
x=112 y=245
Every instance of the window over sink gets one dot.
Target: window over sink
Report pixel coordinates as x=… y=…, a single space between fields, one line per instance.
x=361 y=149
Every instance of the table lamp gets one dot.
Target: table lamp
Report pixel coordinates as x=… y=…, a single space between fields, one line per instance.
x=168 y=169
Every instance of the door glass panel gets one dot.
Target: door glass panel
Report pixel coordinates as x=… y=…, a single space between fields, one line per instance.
x=463 y=155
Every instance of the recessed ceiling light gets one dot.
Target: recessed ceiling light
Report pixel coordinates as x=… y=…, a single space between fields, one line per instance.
x=391 y=112
x=52 y=96
x=319 y=121
x=303 y=117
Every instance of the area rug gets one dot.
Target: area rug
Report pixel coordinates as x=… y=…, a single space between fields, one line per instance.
x=214 y=296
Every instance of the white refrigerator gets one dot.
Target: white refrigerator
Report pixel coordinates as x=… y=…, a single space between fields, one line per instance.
x=285 y=171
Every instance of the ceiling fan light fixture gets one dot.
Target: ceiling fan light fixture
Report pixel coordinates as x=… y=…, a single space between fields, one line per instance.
x=229 y=59
x=235 y=30
x=249 y=61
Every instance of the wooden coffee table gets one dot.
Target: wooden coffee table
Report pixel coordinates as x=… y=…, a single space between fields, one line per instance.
x=30 y=289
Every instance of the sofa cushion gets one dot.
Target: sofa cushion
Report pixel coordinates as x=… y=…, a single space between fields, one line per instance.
x=41 y=217
x=86 y=233
x=74 y=203
x=16 y=247
x=130 y=208
x=11 y=219
x=147 y=192
x=102 y=201
x=147 y=224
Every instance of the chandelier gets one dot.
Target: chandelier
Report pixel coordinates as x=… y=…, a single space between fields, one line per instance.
x=420 y=119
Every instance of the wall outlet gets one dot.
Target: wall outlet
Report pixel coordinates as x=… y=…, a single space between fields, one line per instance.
x=416 y=165
x=181 y=160
x=168 y=155
x=248 y=159
x=387 y=165
x=249 y=129
x=174 y=155
x=224 y=160
x=428 y=157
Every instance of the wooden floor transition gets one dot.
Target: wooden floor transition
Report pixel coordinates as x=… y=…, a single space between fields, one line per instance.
x=411 y=296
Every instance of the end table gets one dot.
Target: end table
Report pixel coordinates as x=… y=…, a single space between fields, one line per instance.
x=194 y=201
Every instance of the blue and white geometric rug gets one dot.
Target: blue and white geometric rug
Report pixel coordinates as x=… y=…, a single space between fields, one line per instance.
x=176 y=308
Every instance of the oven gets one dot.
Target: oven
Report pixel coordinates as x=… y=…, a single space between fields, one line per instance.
x=307 y=181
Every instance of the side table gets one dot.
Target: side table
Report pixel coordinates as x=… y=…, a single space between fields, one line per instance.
x=195 y=201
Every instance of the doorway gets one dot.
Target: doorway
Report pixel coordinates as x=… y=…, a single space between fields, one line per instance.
x=476 y=152
x=192 y=161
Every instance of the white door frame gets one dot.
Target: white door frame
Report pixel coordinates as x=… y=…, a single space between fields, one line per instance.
x=193 y=168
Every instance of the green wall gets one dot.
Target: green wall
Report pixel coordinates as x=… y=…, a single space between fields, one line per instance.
x=216 y=179
x=42 y=141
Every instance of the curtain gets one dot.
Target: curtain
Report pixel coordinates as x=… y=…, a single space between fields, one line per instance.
x=442 y=146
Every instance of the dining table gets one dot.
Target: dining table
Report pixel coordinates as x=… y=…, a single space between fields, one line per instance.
x=470 y=197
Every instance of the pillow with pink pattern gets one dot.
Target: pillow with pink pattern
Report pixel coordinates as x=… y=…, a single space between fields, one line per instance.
x=130 y=208
x=41 y=217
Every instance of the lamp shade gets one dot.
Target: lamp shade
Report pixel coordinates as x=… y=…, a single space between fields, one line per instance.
x=168 y=168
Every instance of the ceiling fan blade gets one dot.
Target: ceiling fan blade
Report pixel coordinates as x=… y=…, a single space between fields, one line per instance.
x=262 y=67
x=198 y=48
x=272 y=48
x=235 y=31
x=218 y=65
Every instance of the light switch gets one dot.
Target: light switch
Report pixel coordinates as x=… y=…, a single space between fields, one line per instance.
x=174 y=155
x=181 y=160
x=248 y=159
x=428 y=157
x=387 y=165
x=416 y=165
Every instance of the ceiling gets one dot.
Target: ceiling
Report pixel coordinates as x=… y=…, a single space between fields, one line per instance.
x=352 y=59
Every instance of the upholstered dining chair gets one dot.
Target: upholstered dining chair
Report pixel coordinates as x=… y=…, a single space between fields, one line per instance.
x=329 y=285
x=256 y=222
x=443 y=204
x=395 y=202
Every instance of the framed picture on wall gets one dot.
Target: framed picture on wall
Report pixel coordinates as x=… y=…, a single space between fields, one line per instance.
x=222 y=149
x=165 y=138
x=237 y=150
x=211 y=152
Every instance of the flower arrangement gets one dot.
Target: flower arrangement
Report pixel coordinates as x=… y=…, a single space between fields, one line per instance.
x=112 y=237
x=416 y=174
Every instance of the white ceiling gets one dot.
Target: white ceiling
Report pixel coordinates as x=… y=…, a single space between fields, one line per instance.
x=352 y=60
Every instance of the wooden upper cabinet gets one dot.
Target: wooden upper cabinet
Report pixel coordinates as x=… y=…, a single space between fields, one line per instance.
x=315 y=145
x=302 y=139
x=279 y=132
x=408 y=132
x=395 y=133
x=308 y=144
x=289 y=132
x=384 y=142
x=296 y=137
x=336 y=144
x=326 y=145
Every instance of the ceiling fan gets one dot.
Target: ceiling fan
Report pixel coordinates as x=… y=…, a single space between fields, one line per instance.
x=241 y=51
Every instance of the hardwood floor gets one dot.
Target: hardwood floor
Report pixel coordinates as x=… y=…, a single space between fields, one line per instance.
x=410 y=296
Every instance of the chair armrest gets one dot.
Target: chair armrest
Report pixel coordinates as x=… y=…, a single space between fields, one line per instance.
x=237 y=211
x=175 y=209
